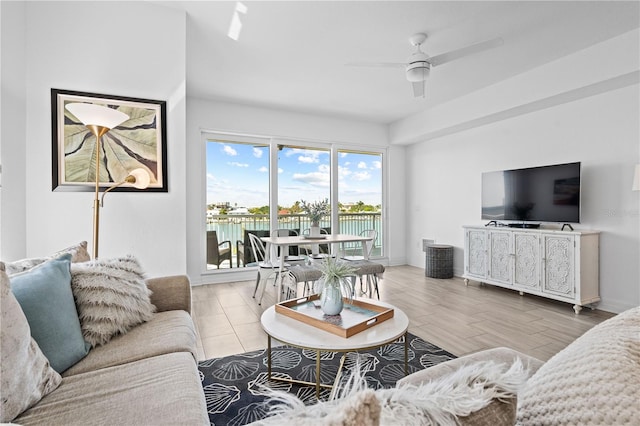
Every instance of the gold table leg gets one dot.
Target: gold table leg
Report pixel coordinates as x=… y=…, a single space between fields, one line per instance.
x=269 y=357
x=406 y=354
x=317 y=375
x=334 y=385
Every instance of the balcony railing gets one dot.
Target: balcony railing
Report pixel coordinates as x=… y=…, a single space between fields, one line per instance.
x=231 y=227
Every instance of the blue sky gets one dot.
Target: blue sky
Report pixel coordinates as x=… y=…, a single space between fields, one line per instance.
x=239 y=174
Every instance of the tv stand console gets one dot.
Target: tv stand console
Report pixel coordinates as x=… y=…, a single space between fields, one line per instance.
x=560 y=265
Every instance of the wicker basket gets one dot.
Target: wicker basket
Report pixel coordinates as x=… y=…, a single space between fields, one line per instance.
x=439 y=261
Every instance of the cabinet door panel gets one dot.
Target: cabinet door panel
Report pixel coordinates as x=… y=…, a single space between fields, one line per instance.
x=477 y=256
x=527 y=260
x=559 y=265
x=500 y=256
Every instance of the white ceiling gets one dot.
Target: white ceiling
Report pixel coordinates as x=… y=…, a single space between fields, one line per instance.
x=291 y=55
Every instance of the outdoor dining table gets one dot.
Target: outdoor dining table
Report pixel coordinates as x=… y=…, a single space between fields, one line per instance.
x=273 y=243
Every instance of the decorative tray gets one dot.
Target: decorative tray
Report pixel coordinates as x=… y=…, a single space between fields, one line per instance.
x=311 y=237
x=356 y=316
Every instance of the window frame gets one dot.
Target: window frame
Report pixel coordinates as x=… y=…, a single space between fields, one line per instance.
x=333 y=147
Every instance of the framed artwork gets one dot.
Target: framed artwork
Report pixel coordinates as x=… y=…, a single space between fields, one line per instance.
x=141 y=141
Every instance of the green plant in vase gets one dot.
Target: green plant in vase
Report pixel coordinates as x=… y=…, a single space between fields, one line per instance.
x=333 y=284
x=315 y=212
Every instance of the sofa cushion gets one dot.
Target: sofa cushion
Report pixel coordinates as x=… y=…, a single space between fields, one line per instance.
x=111 y=296
x=78 y=254
x=25 y=373
x=166 y=332
x=162 y=390
x=44 y=293
x=594 y=380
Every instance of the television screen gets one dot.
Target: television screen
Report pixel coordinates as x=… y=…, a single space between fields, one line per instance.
x=538 y=194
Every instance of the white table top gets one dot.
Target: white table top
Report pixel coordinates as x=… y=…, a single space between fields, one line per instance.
x=293 y=240
x=297 y=333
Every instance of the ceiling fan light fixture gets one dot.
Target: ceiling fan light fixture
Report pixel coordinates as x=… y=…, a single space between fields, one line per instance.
x=418 y=71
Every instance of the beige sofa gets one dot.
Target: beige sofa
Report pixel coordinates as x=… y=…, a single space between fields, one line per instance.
x=593 y=381
x=146 y=376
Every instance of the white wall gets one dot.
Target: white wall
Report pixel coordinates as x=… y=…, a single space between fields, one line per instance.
x=134 y=49
x=601 y=131
x=234 y=118
x=12 y=130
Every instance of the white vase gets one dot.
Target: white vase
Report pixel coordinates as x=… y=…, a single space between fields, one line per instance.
x=314 y=231
x=331 y=299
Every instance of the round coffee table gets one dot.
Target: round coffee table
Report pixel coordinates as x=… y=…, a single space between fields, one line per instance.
x=296 y=333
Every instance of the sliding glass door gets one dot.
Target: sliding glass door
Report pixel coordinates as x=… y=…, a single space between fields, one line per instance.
x=237 y=198
x=360 y=196
x=304 y=174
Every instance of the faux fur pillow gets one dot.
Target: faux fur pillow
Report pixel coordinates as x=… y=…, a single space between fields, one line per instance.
x=443 y=402
x=111 y=296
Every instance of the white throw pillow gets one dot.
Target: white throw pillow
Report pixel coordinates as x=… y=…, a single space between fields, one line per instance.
x=25 y=373
x=111 y=296
x=595 y=380
x=78 y=253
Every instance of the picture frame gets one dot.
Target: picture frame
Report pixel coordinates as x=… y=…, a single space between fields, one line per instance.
x=140 y=141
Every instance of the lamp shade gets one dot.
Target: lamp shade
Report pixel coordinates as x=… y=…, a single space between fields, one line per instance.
x=97 y=115
x=142 y=178
x=636 y=179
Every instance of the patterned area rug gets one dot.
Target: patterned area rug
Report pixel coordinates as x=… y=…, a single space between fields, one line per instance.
x=232 y=385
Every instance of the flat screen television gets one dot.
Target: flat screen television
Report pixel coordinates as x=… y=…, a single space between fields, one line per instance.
x=535 y=194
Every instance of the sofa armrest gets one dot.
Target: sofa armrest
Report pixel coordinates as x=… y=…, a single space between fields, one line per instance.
x=170 y=293
x=499 y=355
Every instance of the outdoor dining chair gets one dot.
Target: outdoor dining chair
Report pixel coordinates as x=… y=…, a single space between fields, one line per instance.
x=368 y=245
x=217 y=252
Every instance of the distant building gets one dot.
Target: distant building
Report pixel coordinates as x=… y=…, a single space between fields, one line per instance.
x=239 y=210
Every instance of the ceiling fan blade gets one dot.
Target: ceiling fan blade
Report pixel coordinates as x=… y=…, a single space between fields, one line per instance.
x=465 y=51
x=418 y=88
x=376 y=64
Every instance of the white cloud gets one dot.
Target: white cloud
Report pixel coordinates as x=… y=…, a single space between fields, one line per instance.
x=362 y=165
x=360 y=176
x=280 y=170
x=236 y=164
x=263 y=169
x=376 y=164
x=229 y=151
x=257 y=152
x=313 y=178
x=308 y=159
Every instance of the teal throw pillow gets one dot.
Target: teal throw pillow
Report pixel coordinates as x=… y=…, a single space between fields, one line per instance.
x=44 y=294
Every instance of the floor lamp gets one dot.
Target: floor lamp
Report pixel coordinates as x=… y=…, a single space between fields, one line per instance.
x=99 y=120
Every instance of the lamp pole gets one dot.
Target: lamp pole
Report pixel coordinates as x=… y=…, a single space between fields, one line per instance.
x=99 y=120
x=98 y=132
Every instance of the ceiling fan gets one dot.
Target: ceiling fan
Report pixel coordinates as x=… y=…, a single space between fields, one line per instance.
x=419 y=64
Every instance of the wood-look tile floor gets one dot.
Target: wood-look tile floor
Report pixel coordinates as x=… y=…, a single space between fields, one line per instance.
x=460 y=319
